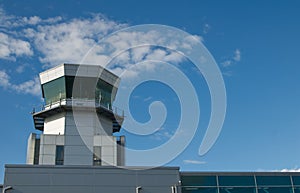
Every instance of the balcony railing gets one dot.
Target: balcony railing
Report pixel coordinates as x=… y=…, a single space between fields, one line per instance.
x=81 y=103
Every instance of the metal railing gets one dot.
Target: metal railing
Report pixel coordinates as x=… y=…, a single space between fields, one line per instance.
x=78 y=102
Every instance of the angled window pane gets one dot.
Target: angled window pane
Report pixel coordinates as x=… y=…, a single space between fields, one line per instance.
x=296 y=180
x=236 y=181
x=237 y=190
x=199 y=190
x=103 y=93
x=275 y=190
x=89 y=88
x=273 y=180
x=198 y=180
x=54 y=90
x=297 y=189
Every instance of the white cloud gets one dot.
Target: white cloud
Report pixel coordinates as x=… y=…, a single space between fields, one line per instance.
x=148 y=99
x=233 y=59
x=162 y=134
x=32 y=20
x=156 y=54
x=70 y=41
x=140 y=53
x=237 y=55
x=4 y=79
x=206 y=28
x=29 y=87
x=53 y=19
x=226 y=63
x=193 y=162
x=10 y=48
x=227 y=73
x=55 y=40
x=58 y=41
x=289 y=170
x=11 y=21
x=20 y=69
x=296 y=169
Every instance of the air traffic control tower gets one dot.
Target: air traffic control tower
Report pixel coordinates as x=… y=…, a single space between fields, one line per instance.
x=77 y=120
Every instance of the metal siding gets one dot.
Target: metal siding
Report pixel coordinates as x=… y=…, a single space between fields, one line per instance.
x=26 y=179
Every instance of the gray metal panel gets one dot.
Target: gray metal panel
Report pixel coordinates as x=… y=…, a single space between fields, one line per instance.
x=121 y=152
x=83 y=70
x=89 y=179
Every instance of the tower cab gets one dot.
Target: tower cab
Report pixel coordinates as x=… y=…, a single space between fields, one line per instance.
x=77 y=121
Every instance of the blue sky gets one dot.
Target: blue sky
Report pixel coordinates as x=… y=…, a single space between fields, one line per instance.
x=255 y=44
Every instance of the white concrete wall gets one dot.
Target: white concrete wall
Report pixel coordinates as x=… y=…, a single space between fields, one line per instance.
x=108 y=146
x=78 y=137
x=55 y=125
x=48 y=145
x=30 y=148
x=76 y=152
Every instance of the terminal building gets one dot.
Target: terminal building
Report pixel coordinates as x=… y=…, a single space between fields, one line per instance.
x=78 y=152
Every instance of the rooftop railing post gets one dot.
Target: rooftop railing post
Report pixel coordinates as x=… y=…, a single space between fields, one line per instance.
x=6 y=188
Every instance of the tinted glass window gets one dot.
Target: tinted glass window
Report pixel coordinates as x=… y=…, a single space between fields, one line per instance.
x=97 y=156
x=81 y=87
x=296 y=180
x=54 y=90
x=297 y=190
x=89 y=88
x=275 y=190
x=199 y=190
x=273 y=180
x=36 y=152
x=199 y=180
x=236 y=181
x=237 y=190
x=59 y=158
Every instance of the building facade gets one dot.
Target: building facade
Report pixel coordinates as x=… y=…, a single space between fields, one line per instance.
x=240 y=182
x=89 y=179
x=77 y=151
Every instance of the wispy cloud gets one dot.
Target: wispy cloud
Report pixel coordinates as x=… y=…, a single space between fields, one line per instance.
x=193 y=162
x=206 y=28
x=162 y=134
x=21 y=68
x=28 y=87
x=4 y=79
x=236 y=57
x=56 y=40
x=12 y=21
x=295 y=169
x=290 y=170
x=11 y=47
x=148 y=99
x=227 y=63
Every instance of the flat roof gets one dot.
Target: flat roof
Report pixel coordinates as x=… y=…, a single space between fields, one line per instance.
x=82 y=70
x=239 y=173
x=93 y=167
